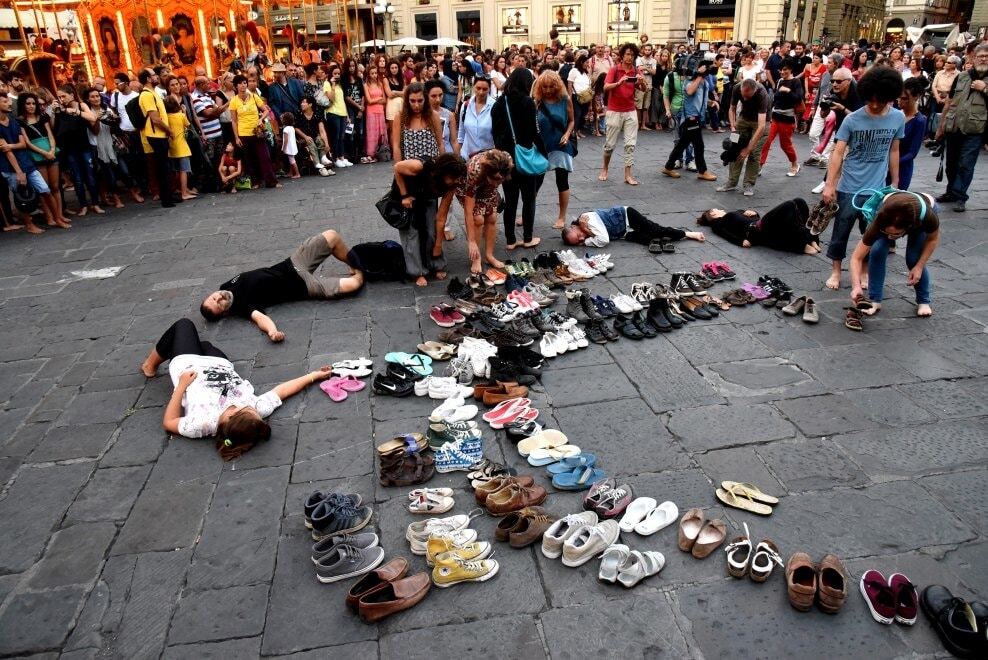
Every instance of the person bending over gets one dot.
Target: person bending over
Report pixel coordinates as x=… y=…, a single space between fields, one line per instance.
x=600 y=227
x=210 y=398
x=249 y=294
x=782 y=228
x=901 y=214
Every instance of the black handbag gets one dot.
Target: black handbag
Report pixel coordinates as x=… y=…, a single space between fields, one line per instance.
x=393 y=212
x=940 y=170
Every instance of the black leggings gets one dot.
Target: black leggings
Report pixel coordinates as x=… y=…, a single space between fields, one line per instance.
x=691 y=134
x=528 y=187
x=644 y=231
x=562 y=180
x=182 y=338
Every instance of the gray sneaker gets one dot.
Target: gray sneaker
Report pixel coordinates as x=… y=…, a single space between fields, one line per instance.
x=347 y=561
x=748 y=191
x=960 y=207
x=727 y=187
x=333 y=521
x=328 y=545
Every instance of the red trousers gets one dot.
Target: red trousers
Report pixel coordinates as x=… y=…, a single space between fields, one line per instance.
x=784 y=131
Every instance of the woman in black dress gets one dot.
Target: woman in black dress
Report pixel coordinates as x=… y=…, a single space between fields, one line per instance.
x=783 y=228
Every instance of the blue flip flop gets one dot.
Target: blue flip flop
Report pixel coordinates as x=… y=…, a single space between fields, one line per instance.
x=571 y=463
x=578 y=479
x=420 y=364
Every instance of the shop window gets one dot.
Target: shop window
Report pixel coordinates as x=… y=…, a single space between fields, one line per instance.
x=468 y=27
x=426 y=26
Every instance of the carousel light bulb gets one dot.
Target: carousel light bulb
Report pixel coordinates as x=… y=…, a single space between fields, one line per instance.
x=205 y=51
x=123 y=40
x=95 y=43
x=161 y=19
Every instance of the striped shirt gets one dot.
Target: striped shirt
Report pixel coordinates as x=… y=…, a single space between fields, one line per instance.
x=210 y=127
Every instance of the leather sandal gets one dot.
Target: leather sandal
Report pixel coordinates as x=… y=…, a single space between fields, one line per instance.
x=852 y=319
x=739 y=554
x=411 y=472
x=764 y=560
x=709 y=539
x=689 y=528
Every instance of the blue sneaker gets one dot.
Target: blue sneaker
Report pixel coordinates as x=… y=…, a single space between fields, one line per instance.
x=450 y=458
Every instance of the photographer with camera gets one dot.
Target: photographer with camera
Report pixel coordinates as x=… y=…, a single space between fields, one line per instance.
x=620 y=84
x=695 y=101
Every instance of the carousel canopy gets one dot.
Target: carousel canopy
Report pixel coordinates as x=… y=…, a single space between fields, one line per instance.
x=46 y=19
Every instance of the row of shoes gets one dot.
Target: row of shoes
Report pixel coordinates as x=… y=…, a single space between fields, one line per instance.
x=452 y=550
x=405 y=460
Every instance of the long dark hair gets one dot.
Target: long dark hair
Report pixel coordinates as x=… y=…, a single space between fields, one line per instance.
x=519 y=84
x=442 y=166
x=429 y=116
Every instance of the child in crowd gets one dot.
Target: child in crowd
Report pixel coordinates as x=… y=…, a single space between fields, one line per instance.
x=289 y=143
x=600 y=227
x=821 y=135
x=179 y=152
x=230 y=169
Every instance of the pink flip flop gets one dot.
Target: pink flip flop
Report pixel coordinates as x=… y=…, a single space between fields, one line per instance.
x=351 y=384
x=333 y=388
x=756 y=291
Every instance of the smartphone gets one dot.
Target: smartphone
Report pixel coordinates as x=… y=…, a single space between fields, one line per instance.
x=632 y=79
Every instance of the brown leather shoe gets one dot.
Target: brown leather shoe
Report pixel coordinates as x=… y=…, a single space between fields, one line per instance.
x=484 y=491
x=394 y=597
x=833 y=585
x=706 y=176
x=494 y=397
x=711 y=536
x=530 y=530
x=513 y=498
x=480 y=390
x=513 y=521
x=689 y=528
x=376 y=579
x=801 y=581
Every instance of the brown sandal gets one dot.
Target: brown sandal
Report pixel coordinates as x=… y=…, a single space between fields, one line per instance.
x=852 y=320
x=410 y=442
x=412 y=471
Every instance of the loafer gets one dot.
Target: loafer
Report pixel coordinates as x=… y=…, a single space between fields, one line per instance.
x=393 y=597
x=954 y=621
x=801 y=581
x=392 y=570
x=833 y=585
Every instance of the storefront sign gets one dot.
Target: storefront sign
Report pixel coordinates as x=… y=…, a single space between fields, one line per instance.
x=622 y=17
x=566 y=18
x=715 y=8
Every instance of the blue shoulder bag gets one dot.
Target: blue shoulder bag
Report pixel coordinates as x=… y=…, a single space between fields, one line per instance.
x=528 y=160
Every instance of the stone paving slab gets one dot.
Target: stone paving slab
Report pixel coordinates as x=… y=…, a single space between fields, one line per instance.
x=129 y=544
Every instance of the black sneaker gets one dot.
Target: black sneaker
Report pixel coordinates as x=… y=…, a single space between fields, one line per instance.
x=574 y=306
x=595 y=332
x=694 y=284
x=588 y=306
x=524 y=326
x=400 y=372
x=507 y=372
x=626 y=326
x=391 y=386
x=609 y=331
x=509 y=337
x=521 y=355
x=679 y=284
x=457 y=289
x=643 y=325
x=334 y=499
x=542 y=322
x=330 y=520
x=657 y=317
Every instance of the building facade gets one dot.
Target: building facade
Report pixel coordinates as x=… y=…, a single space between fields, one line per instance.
x=979 y=19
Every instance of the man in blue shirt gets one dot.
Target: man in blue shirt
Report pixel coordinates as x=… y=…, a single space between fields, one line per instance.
x=867 y=149
x=18 y=168
x=285 y=94
x=695 y=100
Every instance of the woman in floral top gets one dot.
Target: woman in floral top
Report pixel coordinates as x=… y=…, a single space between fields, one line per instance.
x=210 y=398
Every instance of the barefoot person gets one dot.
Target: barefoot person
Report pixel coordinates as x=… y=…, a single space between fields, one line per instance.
x=600 y=227
x=248 y=294
x=620 y=84
x=782 y=228
x=210 y=398
x=901 y=214
x=478 y=194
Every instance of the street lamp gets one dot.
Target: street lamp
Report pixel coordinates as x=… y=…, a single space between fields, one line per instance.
x=386 y=11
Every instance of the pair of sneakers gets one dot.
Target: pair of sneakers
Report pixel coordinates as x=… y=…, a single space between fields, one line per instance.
x=460 y=455
x=578 y=266
x=601 y=261
x=556 y=343
x=626 y=304
x=441 y=387
x=343 y=162
x=479 y=352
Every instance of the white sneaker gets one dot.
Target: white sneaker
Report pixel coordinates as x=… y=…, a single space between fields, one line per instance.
x=580 y=337
x=422 y=386
x=566 y=337
x=547 y=345
x=340 y=163
x=624 y=303
x=325 y=160
x=691 y=166
x=446 y=388
x=819 y=188
x=589 y=542
x=453 y=410
x=347 y=163
x=562 y=529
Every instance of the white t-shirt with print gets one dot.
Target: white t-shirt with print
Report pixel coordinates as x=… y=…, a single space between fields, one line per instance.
x=217 y=387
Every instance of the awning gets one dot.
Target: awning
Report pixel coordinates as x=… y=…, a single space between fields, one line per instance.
x=46 y=20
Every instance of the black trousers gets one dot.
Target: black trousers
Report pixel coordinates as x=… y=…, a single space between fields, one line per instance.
x=644 y=231
x=691 y=134
x=527 y=187
x=182 y=338
x=159 y=159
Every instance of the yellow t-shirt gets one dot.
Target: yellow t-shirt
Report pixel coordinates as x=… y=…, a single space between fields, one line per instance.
x=248 y=115
x=338 y=105
x=151 y=102
x=178 y=146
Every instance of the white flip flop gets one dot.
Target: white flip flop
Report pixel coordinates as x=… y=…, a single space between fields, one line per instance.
x=639 y=508
x=356 y=372
x=542 y=440
x=661 y=516
x=357 y=363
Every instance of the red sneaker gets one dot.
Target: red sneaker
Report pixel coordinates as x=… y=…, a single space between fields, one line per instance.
x=878 y=596
x=906 y=599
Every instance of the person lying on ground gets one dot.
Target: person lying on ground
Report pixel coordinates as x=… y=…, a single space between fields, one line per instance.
x=782 y=228
x=249 y=294
x=600 y=227
x=210 y=398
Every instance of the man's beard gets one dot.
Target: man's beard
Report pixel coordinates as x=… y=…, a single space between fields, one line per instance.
x=981 y=70
x=227 y=298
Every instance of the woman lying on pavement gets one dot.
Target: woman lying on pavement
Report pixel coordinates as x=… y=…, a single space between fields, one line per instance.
x=600 y=227
x=901 y=214
x=215 y=399
x=782 y=228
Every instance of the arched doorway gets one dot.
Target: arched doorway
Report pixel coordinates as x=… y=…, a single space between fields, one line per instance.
x=895 y=30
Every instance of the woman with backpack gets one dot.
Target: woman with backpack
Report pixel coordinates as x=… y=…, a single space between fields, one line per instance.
x=513 y=122
x=556 y=124
x=71 y=128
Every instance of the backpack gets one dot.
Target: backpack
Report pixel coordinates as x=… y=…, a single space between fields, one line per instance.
x=380 y=261
x=134 y=112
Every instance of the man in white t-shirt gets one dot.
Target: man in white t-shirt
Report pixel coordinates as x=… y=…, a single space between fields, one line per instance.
x=646 y=65
x=133 y=161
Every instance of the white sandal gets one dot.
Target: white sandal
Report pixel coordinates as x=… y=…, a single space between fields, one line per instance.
x=765 y=558
x=639 y=566
x=658 y=518
x=431 y=503
x=611 y=561
x=739 y=554
x=419 y=492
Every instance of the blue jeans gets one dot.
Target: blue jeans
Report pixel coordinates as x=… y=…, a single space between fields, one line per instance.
x=843 y=224
x=876 y=267
x=80 y=167
x=959 y=161
x=336 y=125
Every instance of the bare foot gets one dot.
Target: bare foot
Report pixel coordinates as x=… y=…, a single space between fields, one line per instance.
x=97 y=210
x=59 y=223
x=34 y=229
x=872 y=310
x=809 y=249
x=186 y=198
x=421 y=281
x=631 y=181
x=532 y=243
x=559 y=224
x=440 y=274
x=602 y=176
x=119 y=204
x=13 y=227
x=82 y=212
x=136 y=197
x=148 y=369
x=511 y=246
x=518 y=222
x=864 y=282
x=833 y=282
x=923 y=311
x=494 y=262
x=297 y=176
x=475 y=267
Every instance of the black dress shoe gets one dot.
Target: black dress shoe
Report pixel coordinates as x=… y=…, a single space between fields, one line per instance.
x=946 y=197
x=953 y=619
x=626 y=326
x=657 y=318
x=644 y=327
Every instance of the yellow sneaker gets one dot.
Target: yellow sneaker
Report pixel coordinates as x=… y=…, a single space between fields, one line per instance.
x=462 y=548
x=450 y=570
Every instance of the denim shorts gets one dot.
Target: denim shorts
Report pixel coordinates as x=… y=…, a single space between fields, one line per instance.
x=34 y=179
x=181 y=164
